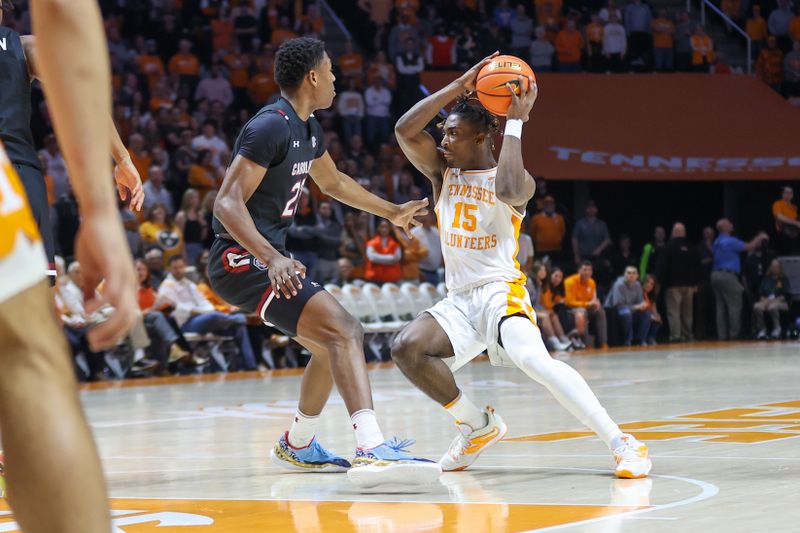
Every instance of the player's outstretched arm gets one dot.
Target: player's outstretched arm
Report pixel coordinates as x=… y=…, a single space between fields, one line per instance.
x=348 y=191
x=74 y=67
x=514 y=186
x=417 y=144
x=125 y=173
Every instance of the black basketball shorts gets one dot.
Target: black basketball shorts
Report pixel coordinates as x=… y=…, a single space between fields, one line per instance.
x=242 y=280
x=36 y=189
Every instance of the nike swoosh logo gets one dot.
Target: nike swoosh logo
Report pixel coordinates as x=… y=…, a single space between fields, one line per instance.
x=482 y=441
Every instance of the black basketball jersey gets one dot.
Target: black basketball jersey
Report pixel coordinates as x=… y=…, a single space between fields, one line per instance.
x=286 y=146
x=15 y=101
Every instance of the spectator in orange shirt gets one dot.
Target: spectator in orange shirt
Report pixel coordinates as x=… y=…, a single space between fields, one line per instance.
x=383 y=256
x=222 y=31
x=580 y=295
x=150 y=64
x=238 y=65
x=756 y=28
x=203 y=175
x=594 y=44
x=769 y=65
x=139 y=155
x=186 y=65
x=569 y=43
x=262 y=86
x=413 y=253
x=351 y=63
x=702 y=50
x=283 y=32
x=784 y=211
x=663 y=41
x=547 y=230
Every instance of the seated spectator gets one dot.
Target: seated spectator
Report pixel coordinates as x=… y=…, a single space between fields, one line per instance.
x=756 y=28
x=615 y=45
x=384 y=254
x=594 y=44
x=215 y=87
x=409 y=64
x=186 y=65
x=787 y=226
x=725 y=278
x=791 y=71
x=192 y=225
x=155 y=192
x=552 y=299
x=140 y=156
x=378 y=101
x=547 y=319
x=525 y=253
x=167 y=344
x=663 y=42
x=209 y=140
x=568 y=45
x=679 y=270
x=195 y=314
x=769 y=65
x=547 y=229
x=354 y=239
x=627 y=300
x=204 y=176
x=351 y=64
x=344 y=272
x=775 y=295
x=413 y=252
x=262 y=85
x=159 y=230
x=702 y=50
x=650 y=295
x=580 y=296
x=130 y=222
x=380 y=67
x=541 y=52
x=428 y=235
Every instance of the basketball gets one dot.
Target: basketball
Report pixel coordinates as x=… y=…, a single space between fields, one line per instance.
x=492 y=80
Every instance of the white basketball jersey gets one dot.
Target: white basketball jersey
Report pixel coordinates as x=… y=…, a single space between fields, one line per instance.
x=22 y=257
x=479 y=232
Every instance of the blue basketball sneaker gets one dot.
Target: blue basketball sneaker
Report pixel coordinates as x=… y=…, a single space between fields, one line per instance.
x=312 y=458
x=392 y=463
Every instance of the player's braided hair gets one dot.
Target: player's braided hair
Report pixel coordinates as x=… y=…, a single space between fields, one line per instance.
x=472 y=110
x=295 y=58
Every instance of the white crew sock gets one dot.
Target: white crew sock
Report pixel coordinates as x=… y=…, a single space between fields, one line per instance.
x=302 y=431
x=365 y=424
x=466 y=412
x=522 y=341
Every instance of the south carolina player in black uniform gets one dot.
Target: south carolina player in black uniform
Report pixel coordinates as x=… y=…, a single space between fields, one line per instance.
x=275 y=153
x=17 y=70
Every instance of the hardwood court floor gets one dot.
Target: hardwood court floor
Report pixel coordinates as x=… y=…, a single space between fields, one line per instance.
x=722 y=421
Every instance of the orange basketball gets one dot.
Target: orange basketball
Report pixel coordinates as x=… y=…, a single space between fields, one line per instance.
x=492 y=79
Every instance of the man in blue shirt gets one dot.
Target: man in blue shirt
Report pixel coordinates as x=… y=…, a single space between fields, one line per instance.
x=725 y=278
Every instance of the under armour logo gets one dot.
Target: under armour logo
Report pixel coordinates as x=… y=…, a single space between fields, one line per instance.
x=3 y=44
x=295 y=144
x=314 y=284
x=313 y=142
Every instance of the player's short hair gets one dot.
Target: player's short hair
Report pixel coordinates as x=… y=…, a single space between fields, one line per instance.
x=295 y=58
x=473 y=111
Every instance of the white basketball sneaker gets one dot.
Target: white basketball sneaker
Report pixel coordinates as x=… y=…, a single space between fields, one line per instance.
x=466 y=447
x=633 y=460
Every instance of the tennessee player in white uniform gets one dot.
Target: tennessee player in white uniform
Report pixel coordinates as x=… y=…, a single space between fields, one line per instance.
x=480 y=203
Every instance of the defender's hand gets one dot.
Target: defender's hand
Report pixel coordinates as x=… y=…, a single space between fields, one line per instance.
x=469 y=78
x=522 y=104
x=405 y=217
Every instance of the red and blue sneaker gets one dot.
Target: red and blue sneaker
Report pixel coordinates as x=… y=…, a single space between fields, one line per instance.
x=391 y=463
x=311 y=458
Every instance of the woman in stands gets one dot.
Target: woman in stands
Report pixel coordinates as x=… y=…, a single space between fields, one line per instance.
x=546 y=318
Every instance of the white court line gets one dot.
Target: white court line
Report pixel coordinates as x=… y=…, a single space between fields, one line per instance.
x=715 y=457
x=707 y=490
x=651 y=517
x=108 y=425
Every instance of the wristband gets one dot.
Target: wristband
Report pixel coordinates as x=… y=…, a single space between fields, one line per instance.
x=514 y=128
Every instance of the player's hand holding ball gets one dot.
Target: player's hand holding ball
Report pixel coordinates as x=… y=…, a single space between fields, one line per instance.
x=500 y=80
x=469 y=79
x=522 y=104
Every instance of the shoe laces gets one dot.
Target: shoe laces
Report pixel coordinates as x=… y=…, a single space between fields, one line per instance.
x=400 y=445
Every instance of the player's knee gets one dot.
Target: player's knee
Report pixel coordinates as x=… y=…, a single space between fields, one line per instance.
x=405 y=348
x=341 y=331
